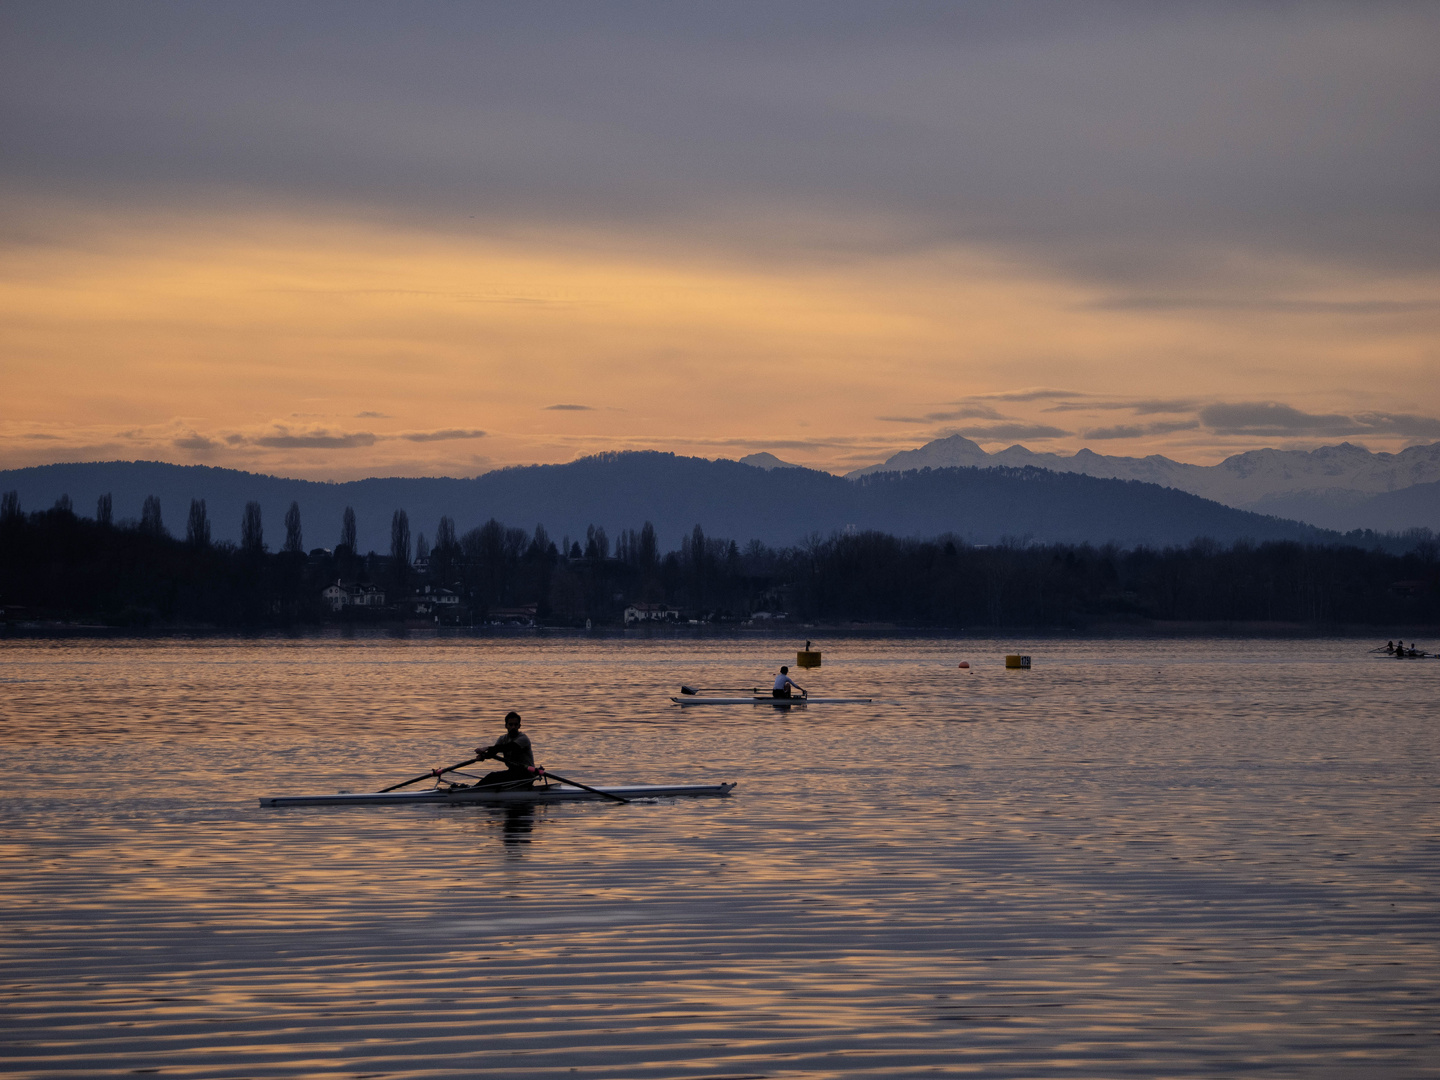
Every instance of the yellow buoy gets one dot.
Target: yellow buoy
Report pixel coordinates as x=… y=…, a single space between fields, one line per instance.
x=807 y=658
x=1017 y=661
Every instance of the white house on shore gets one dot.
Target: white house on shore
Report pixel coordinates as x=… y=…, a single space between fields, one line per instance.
x=432 y=600
x=367 y=596
x=640 y=613
x=341 y=595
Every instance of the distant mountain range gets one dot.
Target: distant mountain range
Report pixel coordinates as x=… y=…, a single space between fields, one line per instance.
x=1340 y=487
x=778 y=505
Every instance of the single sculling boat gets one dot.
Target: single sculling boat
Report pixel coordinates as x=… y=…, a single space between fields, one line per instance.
x=542 y=793
x=692 y=695
x=541 y=786
x=766 y=699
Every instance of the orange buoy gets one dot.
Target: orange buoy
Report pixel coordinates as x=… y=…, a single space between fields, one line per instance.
x=965 y=663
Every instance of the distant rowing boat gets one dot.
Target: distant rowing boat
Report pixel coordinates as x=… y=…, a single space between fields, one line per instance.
x=1391 y=652
x=548 y=793
x=758 y=699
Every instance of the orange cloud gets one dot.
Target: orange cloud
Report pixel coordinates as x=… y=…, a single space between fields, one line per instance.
x=185 y=338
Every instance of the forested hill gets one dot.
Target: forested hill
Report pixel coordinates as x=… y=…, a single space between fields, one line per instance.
x=620 y=491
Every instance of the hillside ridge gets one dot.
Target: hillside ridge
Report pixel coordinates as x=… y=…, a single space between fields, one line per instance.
x=779 y=506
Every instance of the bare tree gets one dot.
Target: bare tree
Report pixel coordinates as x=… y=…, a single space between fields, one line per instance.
x=696 y=552
x=400 y=539
x=445 y=551
x=422 y=548
x=649 y=553
x=105 y=510
x=64 y=505
x=10 y=506
x=150 y=522
x=293 y=540
x=347 y=530
x=197 y=527
x=597 y=544
x=252 y=532
x=445 y=535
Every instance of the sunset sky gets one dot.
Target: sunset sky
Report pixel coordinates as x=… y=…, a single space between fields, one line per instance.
x=342 y=240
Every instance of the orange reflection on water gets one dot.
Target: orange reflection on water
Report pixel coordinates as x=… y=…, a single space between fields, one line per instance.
x=1088 y=869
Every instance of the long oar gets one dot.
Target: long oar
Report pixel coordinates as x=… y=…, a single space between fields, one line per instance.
x=582 y=787
x=693 y=690
x=436 y=773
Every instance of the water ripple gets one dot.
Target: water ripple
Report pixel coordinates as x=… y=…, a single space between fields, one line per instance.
x=1136 y=859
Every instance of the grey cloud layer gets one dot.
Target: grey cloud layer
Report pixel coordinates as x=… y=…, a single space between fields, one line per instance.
x=1258 y=419
x=1136 y=431
x=967 y=412
x=1269 y=418
x=1139 y=408
x=443 y=435
x=1010 y=431
x=284 y=439
x=307 y=442
x=1128 y=142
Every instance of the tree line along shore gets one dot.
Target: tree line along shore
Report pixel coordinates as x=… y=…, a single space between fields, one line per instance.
x=59 y=566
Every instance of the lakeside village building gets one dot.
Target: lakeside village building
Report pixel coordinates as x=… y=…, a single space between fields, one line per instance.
x=429 y=600
x=639 y=613
x=443 y=606
x=340 y=596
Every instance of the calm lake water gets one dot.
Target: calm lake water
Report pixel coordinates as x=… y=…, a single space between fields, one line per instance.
x=1175 y=858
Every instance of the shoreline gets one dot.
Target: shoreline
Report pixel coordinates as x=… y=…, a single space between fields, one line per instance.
x=1133 y=630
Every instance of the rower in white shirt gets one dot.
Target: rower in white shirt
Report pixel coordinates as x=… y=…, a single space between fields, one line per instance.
x=784 y=684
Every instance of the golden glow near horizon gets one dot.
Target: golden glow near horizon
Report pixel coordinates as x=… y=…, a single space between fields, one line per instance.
x=334 y=349
x=388 y=244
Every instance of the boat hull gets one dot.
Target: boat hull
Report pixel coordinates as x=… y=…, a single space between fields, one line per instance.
x=758 y=700
x=553 y=793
